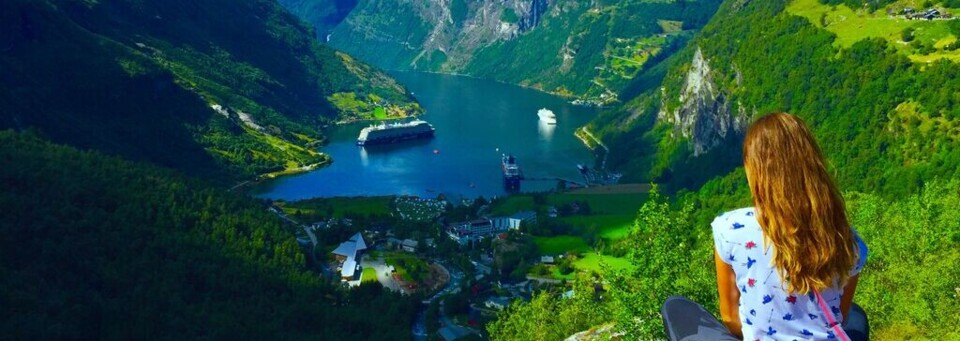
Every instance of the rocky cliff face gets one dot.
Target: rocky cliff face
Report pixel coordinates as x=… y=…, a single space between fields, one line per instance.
x=704 y=115
x=439 y=34
x=580 y=48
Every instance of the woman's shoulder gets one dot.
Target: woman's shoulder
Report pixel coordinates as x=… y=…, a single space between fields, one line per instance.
x=735 y=220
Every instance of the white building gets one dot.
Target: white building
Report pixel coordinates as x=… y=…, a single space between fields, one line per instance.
x=349 y=253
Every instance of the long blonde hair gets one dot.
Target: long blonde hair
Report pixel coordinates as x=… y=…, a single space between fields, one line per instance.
x=798 y=204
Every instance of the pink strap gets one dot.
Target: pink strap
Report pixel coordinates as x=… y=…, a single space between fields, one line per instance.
x=830 y=319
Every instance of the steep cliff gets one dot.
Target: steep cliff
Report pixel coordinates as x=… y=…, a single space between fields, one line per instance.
x=882 y=110
x=587 y=49
x=703 y=116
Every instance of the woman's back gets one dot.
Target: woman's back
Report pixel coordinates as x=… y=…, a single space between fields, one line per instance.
x=766 y=308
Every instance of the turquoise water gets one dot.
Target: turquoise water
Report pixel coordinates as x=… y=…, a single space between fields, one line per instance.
x=476 y=121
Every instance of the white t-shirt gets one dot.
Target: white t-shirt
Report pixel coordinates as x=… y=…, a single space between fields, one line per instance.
x=767 y=311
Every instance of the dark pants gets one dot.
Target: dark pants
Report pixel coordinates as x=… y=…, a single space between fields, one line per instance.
x=686 y=320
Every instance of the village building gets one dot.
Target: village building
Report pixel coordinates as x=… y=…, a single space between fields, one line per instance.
x=348 y=254
x=513 y=222
x=463 y=232
x=497 y=303
x=409 y=245
x=466 y=231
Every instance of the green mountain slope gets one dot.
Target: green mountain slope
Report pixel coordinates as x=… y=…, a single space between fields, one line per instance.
x=886 y=119
x=211 y=87
x=588 y=49
x=95 y=247
x=885 y=112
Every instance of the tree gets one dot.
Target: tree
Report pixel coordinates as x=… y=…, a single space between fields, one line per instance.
x=907 y=34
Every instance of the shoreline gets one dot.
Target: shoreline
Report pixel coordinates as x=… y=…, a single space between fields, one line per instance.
x=345 y=122
x=293 y=171
x=273 y=175
x=564 y=96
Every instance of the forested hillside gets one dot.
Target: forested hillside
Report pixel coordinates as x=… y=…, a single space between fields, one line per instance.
x=589 y=49
x=211 y=87
x=95 y=247
x=887 y=117
x=885 y=112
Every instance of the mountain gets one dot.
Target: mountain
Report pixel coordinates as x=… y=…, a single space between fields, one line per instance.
x=884 y=111
x=588 y=49
x=97 y=247
x=223 y=89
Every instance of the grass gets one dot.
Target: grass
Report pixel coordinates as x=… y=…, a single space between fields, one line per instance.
x=670 y=26
x=610 y=227
x=313 y=209
x=601 y=204
x=513 y=204
x=594 y=262
x=852 y=26
x=407 y=266
x=368 y=275
x=380 y=113
x=560 y=244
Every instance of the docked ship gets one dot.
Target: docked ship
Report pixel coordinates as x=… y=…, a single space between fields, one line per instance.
x=511 y=173
x=394 y=132
x=547 y=116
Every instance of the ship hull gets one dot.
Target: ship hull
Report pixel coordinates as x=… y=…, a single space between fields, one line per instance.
x=396 y=138
x=511 y=174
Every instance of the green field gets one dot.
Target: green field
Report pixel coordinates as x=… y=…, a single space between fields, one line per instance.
x=560 y=244
x=407 y=266
x=612 y=214
x=610 y=227
x=369 y=275
x=595 y=263
x=380 y=113
x=611 y=204
x=513 y=204
x=602 y=204
x=852 y=26
x=338 y=207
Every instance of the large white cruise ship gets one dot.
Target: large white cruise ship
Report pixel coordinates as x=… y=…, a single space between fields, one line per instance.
x=394 y=132
x=547 y=116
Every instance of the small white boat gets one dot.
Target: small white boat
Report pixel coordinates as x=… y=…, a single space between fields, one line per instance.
x=547 y=116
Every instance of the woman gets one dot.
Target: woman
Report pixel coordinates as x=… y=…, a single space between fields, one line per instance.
x=787 y=268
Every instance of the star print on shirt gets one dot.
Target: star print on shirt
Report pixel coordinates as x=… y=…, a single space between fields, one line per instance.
x=792 y=299
x=751 y=245
x=750 y=262
x=737 y=226
x=751 y=282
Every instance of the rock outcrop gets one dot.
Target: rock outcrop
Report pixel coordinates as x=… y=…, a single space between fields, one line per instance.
x=704 y=115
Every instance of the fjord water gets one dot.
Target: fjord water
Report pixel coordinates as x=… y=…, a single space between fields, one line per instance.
x=476 y=122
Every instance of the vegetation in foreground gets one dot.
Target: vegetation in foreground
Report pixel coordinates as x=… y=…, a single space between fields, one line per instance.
x=97 y=247
x=912 y=240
